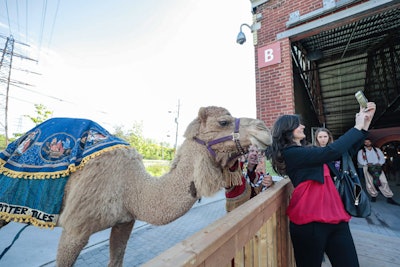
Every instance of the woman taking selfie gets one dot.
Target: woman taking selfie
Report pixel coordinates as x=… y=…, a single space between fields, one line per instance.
x=318 y=220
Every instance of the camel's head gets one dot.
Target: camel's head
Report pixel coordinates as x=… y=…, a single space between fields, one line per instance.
x=226 y=138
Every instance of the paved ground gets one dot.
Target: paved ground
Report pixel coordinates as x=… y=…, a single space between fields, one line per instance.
x=37 y=247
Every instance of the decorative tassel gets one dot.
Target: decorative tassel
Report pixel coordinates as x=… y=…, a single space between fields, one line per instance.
x=232 y=178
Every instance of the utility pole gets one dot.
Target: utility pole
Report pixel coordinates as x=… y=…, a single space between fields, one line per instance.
x=177 y=124
x=5 y=79
x=5 y=75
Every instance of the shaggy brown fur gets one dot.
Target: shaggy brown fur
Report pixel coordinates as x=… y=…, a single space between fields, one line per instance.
x=114 y=189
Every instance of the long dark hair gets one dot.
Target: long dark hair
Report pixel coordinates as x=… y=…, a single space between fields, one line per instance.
x=282 y=137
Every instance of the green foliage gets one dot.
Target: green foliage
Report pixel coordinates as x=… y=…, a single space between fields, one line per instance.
x=148 y=148
x=157 y=169
x=118 y=132
x=2 y=142
x=42 y=114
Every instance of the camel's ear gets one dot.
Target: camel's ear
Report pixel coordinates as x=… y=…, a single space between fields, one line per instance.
x=203 y=114
x=193 y=129
x=207 y=177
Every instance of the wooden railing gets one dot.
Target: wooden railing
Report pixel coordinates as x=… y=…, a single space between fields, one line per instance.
x=254 y=234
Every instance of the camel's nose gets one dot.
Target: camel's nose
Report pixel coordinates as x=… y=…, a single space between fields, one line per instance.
x=255 y=123
x=261 y=125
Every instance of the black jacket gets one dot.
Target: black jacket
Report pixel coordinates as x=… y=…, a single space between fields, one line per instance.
x=306 y=162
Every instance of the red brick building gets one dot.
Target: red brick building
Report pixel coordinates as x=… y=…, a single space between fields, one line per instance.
x=313 y=55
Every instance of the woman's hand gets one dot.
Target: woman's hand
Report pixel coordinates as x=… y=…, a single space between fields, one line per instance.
x=267 y=180
x=369 y=114
x=364 y=117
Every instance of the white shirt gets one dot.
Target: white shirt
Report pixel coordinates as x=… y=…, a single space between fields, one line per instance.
x=372 y=157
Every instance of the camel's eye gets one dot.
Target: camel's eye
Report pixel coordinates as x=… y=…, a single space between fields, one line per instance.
x=223 y=123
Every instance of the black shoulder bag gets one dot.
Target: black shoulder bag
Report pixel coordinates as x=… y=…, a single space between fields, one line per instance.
x=355 y=200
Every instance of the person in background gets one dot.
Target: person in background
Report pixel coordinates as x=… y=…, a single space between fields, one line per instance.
x=323 y=137
x=254 y=179
x=372 y=160
x=319 y=222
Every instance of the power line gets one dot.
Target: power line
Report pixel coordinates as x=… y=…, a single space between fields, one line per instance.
x=39 y=36
x=53 y=24
x=8 y=18
x=26 y=21
x=17 y=16
x=41 y=94
x=44 y=12
x=19 y=99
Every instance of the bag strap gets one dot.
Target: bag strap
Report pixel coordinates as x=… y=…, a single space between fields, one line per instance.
x=345 y=161
x=364 y=154
x=348 y=166
x=334 y=171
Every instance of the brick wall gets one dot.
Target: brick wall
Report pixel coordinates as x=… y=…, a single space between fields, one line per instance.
x=274 y=88
x=274 y=84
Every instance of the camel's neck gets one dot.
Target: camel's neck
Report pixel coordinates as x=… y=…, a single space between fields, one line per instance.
x=164 y=199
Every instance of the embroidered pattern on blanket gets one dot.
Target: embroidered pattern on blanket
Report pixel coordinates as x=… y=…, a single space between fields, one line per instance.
x=35 y=168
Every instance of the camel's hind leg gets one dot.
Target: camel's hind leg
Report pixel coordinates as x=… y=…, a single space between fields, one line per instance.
x=69 y=248
x=119 y=237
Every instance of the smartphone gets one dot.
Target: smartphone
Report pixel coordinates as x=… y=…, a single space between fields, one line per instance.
x=362 y=100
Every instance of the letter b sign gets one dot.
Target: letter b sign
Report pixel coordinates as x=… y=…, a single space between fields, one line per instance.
x=269 y=55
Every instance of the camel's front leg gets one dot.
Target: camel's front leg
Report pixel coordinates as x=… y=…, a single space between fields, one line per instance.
x=69 y=248
x=119 y=237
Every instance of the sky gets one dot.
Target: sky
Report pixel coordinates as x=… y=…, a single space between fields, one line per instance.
x=125 y=62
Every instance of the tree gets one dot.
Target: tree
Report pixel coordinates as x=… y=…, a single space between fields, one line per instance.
x=149 y=149
x=3 y=142
x=42 y=114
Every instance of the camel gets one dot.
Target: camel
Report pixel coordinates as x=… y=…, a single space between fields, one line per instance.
x=114 y=189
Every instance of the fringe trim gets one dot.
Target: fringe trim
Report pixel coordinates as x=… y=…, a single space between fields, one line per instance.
x=232 y=178
x=26 y=219
x=232 y=203
x=57 y=174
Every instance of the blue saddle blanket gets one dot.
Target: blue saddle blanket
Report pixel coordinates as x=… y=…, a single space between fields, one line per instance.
x=35 y=168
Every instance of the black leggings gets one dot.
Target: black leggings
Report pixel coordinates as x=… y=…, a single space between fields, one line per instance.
x=311 y=240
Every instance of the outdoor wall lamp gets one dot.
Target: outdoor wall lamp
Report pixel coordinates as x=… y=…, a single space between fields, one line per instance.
x=241 y=38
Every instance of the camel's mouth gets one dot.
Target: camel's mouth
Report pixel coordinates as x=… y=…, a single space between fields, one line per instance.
x=261 y=144
x=234 y=156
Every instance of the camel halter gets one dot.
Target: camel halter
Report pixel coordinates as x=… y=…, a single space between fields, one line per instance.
x=233 y=136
